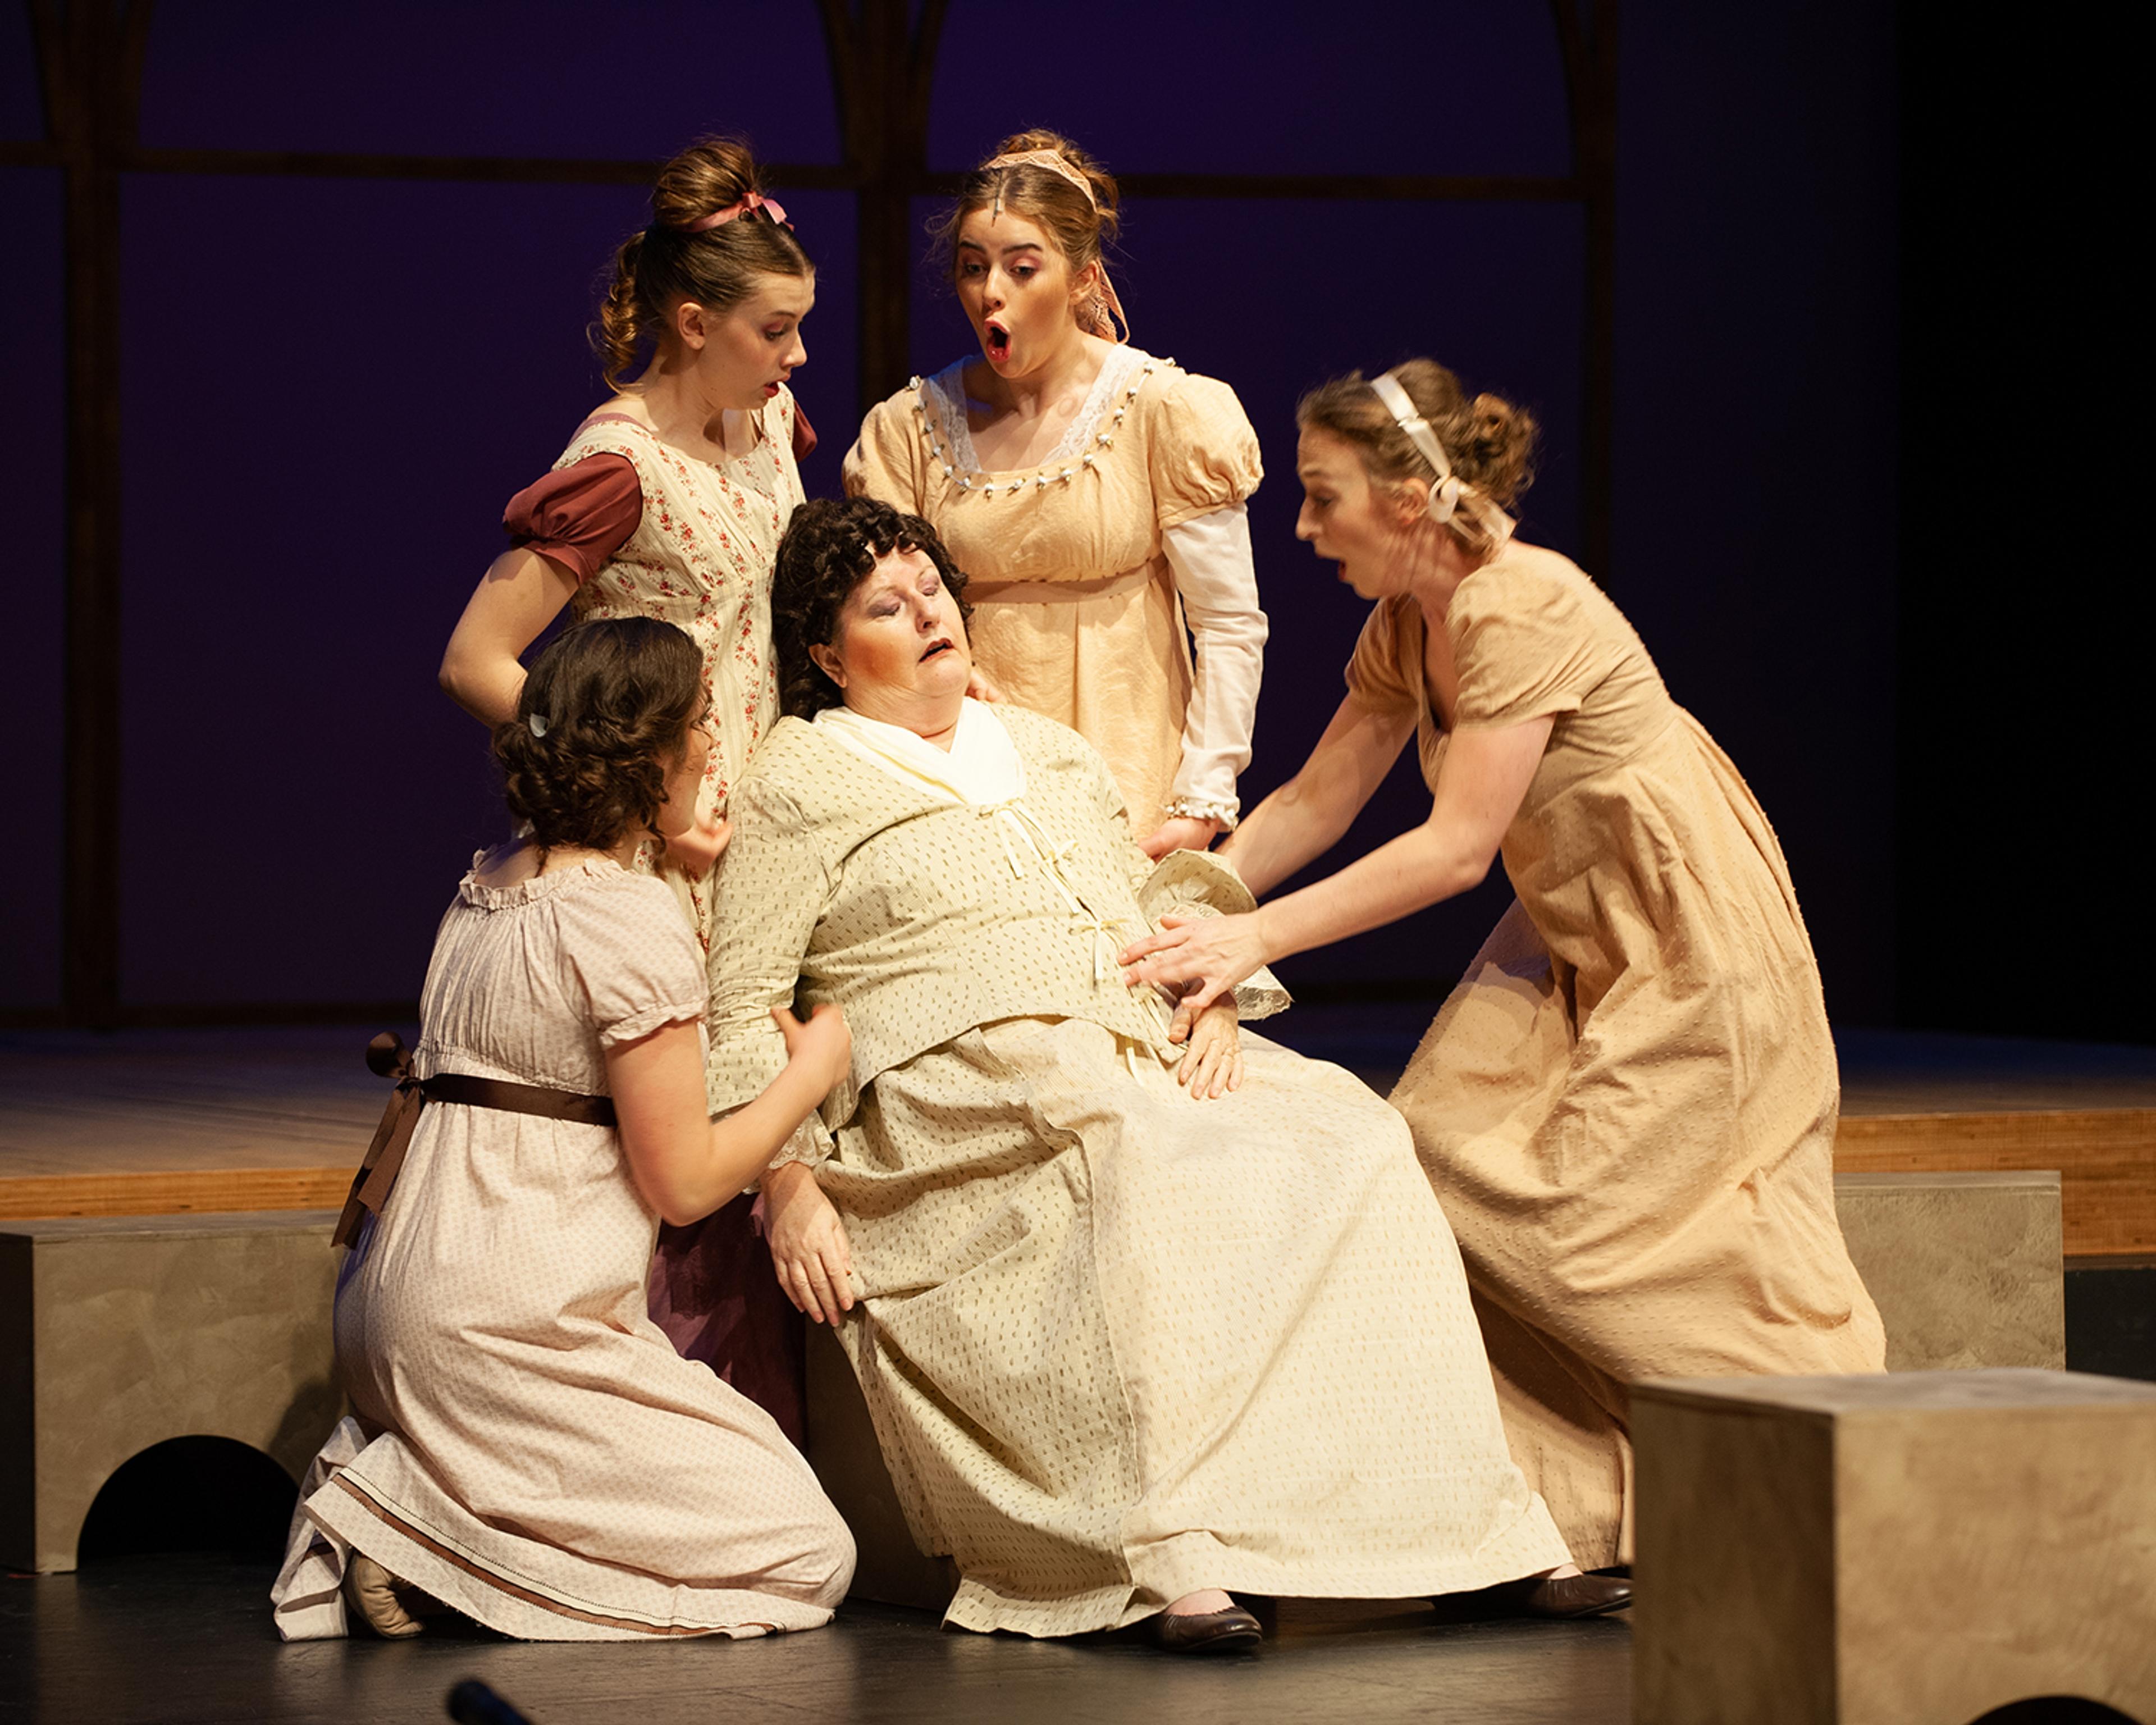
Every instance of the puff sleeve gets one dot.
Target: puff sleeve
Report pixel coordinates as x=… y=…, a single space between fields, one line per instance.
x=1202 y=454
x=631 y=958
x=771 y=889
x=1521 y=647
x=579 y=516
x=1378 y=672
x=885 y=461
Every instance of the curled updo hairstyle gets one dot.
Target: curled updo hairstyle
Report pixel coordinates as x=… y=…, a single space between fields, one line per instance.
x=1080 y=228
x=604 y=715
x=665 y=263
x=828 y=550
x=1489 y=442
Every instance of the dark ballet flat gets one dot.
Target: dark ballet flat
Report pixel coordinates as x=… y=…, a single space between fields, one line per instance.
x=1234 y=1631
x=1568 y=1596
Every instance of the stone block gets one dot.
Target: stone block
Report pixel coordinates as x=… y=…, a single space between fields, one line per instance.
x=1910 y=1549
x=117 y=1332
x=889 y=1569
x=1967 y=1269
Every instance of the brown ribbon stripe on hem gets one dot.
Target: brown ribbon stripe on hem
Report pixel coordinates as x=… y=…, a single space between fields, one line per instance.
x=388 y=1055
x=428 y=1543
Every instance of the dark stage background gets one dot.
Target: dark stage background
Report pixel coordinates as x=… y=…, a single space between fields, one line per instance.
x=332 y=385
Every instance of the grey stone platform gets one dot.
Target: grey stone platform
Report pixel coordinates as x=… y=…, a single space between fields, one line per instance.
x=117 y=1332
x=1912 y=1549
x=1967 y=1269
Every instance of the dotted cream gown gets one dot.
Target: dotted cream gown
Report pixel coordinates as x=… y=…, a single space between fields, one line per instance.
x=1628 y=1106
x=528 y=1446
x=1118 y=1344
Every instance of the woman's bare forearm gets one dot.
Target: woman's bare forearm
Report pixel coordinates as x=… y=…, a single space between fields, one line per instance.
x=1294 y=826
x=1416 y=869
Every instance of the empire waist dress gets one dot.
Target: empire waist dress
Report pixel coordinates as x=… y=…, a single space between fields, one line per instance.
x=1628 y=1106
x=647 y=530
x=525 y=1444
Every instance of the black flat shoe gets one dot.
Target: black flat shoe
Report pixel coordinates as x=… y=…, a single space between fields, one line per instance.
x=1234 y=1631
x=1572 y=1595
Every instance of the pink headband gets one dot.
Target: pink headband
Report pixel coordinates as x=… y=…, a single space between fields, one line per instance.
x=1112 y=310
x=750 y=202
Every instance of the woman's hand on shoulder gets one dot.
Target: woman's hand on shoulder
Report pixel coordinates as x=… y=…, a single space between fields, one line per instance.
x=981 y=688
x=1212 y=1053
x=697 y=848
x=1186 y=832
x=821 y=1045
x=809 y=1250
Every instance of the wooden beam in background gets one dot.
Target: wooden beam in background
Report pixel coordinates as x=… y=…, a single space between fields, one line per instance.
x=89 y=62
x=1588 y=49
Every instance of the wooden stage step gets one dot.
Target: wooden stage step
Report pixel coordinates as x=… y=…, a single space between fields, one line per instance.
x=170 y=1122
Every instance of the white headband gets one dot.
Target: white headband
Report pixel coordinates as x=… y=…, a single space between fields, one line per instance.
x=1444 y=496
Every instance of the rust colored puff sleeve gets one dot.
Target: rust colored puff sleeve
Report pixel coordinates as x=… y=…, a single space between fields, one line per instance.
x=578 y=515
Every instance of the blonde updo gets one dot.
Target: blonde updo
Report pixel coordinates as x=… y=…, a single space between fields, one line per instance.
x=666 y=262
x=1489 y=442
x=1081 y=226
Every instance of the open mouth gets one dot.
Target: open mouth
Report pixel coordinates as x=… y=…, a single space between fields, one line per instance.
x=935 y=648
x=998 y=339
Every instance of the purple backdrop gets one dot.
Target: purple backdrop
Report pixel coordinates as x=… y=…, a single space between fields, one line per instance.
x=333 y=386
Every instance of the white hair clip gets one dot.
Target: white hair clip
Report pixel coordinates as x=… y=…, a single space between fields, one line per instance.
x=537 y=721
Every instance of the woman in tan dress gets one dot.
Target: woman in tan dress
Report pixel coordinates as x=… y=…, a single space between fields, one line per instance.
x=525 y=1445
x=668 y=502
x=1094 y=493
x=1628 y=1106
x=1136 y=1325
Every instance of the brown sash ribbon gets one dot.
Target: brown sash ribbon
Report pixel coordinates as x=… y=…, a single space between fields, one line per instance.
x=388 y=1055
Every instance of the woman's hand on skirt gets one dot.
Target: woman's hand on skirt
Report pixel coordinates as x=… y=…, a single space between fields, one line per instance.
x=1212 y=1057
x=809 y=1246
x=1200 y=958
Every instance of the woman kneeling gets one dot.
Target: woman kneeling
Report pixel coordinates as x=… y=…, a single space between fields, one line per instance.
x=1137 y=1323
x=528 y=1448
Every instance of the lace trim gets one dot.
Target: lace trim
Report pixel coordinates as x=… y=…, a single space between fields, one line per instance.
x=950 y=440
x=1204 y=809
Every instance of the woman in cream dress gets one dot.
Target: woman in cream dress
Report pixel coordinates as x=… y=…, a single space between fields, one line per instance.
x=1134 y=1329
x=1628 y=1106
x=669 y=503
x=1094 y=494
x=524 y=1444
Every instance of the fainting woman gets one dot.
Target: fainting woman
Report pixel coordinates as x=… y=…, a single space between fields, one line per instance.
x=1138 y=1324
x=1628 y=1106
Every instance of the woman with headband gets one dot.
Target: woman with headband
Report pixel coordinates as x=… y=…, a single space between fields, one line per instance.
x=1094 y=493
x=669 y=503
x=1628 y=1106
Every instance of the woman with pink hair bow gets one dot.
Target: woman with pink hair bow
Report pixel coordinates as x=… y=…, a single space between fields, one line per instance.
x=669 y=503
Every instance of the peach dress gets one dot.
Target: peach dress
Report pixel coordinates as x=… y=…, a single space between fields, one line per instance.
x=1627 y=1107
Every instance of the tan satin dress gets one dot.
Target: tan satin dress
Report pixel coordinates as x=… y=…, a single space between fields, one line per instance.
x=1627 y=1107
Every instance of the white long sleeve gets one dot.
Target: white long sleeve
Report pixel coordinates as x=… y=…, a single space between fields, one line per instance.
x=1217 y=579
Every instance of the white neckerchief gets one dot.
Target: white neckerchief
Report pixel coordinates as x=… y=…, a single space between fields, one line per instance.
x=982 y=766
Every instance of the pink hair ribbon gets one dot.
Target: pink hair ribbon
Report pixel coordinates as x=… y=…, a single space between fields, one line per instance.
x=749 y=204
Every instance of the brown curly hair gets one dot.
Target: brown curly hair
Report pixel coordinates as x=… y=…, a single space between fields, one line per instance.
x=663 y=263
x=1489 y=442
x=604 y=716
x=828 y=550
x=1081 y=229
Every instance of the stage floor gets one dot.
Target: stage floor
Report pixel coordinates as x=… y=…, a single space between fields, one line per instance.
x=186 y=1640
x=165 y=1122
